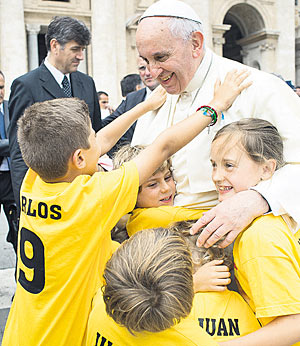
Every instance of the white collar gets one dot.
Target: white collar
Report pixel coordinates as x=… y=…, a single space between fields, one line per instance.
x=201 y=72
x=148 y=92
x=58 y=75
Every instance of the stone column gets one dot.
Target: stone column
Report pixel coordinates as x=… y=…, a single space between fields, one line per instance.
x=13 y=51
x=218 y=32
x=83 y=64
x=297 y=46
x=268 y=56
x=104 y=52
x=203 y=8
x=33 y=51
x=286 y=41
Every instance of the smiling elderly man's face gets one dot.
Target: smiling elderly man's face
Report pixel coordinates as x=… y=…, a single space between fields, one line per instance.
x=171 y=60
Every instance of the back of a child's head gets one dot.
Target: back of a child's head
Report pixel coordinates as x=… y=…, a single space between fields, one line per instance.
x=49 y=132
x=202 y=255
x=127 y=153
x=149 y=282
x=259 y=138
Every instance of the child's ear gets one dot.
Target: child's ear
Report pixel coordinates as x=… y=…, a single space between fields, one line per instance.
x=269 y=168
x=78 y=159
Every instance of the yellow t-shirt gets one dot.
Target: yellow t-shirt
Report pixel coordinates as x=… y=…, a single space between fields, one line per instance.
x=64 y=245
x=267 y=266
x=297 y=236
x=223 y=315
x=144 y=218
x=103 y=330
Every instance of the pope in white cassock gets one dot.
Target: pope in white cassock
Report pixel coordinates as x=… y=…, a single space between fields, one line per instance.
x=171 y=40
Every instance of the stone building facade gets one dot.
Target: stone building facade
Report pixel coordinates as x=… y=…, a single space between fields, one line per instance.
x=261 y=33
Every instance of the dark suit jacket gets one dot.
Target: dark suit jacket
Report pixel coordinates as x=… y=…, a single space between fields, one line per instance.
x=4 y=145
x=37 y=86
x=131 y=101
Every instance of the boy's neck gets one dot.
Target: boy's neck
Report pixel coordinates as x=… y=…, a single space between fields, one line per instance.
x=68 y=178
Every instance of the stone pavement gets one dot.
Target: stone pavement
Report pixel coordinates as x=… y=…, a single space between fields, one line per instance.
x=7 y=270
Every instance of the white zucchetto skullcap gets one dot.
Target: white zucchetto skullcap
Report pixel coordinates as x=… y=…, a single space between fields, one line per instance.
x=171 y=8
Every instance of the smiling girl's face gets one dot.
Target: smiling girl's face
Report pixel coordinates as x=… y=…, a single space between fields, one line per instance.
x=232 y=168
x=158 y=190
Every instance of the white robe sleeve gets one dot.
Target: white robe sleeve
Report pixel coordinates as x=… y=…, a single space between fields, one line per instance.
x=281 y=191
x=282 y=108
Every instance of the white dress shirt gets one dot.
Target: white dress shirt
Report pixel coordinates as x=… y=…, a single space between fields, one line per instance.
x=58 y=75
x=4 y=166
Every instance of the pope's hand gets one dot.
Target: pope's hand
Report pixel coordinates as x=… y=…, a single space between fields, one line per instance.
x=229 y=218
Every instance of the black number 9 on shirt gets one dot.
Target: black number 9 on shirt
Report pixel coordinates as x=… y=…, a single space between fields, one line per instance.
x=36 y=262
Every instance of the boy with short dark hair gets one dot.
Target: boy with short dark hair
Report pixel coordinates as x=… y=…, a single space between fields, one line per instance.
x=67 y=210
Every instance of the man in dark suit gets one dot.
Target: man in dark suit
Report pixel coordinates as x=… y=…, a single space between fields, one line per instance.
x=132 y=99
x=6 y=191
x=57 y=77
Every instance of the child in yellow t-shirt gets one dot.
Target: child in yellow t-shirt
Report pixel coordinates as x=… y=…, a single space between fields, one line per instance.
x=224 y=315
x=155 y=201
x=68 y=208
x=266 y=253
x=147 y=295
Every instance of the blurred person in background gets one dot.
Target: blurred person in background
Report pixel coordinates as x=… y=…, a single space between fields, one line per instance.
x=105 y=107
x=131 y=100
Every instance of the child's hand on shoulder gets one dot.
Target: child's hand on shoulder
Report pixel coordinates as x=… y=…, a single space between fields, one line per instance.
x=225 y=93
x=157 y=98
x=212 y=276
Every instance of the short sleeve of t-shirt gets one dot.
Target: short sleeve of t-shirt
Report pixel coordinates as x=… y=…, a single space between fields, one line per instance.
x=111 y=194
x=267 y=261
x=144 y=218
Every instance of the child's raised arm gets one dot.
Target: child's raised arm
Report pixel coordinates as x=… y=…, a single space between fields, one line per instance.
x=108 y=136
x=177 y=136
x=282 y=331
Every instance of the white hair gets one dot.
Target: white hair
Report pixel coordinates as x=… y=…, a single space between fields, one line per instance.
x=183 y=27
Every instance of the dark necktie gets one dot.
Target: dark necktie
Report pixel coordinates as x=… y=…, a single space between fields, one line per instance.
x=66 y=87
x=2 y=126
